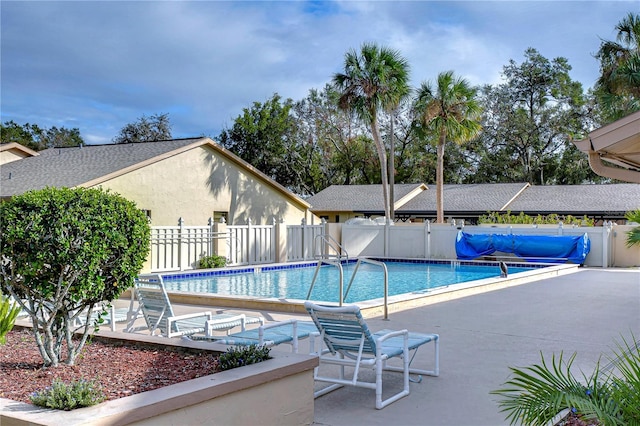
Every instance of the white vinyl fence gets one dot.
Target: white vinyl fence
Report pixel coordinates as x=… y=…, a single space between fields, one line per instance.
x=179 y=248
x=437 y=241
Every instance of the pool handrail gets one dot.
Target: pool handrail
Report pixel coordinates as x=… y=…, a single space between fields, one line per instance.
x=330 y=241
x=386 y=281
x=335 y=263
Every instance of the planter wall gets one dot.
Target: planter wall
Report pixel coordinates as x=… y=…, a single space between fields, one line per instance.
x=277 y=391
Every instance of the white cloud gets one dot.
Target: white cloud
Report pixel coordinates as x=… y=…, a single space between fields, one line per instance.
x=100 y=65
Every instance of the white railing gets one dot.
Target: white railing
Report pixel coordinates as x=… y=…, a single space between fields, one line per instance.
x=251 y=244
x=179 y=248
x=301 y=241
x=176 y=248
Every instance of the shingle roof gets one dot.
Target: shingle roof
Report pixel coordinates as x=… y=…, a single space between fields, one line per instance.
x=466 y=198
x=481 y=198
x=356 y=197
x=71 y=167
x=621 y=197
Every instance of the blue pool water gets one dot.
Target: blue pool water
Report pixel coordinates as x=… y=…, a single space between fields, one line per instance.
x=294 y=282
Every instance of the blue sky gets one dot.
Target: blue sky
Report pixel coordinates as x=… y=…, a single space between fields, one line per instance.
x=99 y=65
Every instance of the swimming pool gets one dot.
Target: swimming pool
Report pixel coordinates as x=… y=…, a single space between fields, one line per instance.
x=294 y=281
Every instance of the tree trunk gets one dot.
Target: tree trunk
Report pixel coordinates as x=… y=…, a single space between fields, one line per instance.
x=382 y=155
x=440 y=178
x=392 y=173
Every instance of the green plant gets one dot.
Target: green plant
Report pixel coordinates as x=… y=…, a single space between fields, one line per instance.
x=536 y=394
x=243 y=355
x=64 y=252
x=8 y=314
x=68 y=396
x=523 y=219
x=213 y=261
x=633 y=236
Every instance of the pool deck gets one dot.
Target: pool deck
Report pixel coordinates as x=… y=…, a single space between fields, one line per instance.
x=481 y=336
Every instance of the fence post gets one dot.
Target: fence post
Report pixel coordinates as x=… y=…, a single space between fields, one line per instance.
x=180 y=242
x=427 y=239
x=606 y=240
x=280 y=240
x=220 y=244
x=303 y=224
x=250 y=242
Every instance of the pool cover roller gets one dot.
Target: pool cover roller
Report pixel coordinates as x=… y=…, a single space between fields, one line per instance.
x=533 y=248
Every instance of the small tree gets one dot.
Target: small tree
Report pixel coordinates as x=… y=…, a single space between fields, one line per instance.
x=65 y=252
x=633 y=236
x=146 y=129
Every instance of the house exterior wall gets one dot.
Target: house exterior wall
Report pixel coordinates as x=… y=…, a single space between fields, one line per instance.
x=197 y=182
x=10 y=155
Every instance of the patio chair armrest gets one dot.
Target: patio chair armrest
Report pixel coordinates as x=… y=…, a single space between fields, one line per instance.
x=392 y=334
x=206 y=314
x=227 y=323
x=294 y=332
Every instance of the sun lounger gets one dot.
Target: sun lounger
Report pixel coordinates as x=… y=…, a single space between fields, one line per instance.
x=350 y=343
x=271 y=334
x=155 y=307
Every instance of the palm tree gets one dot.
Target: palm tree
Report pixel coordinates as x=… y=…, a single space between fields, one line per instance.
x=374 y=80
x=618 y=88
x=452 y=112
x=633 y=236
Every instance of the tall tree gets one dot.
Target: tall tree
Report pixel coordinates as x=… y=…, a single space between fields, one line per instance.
x=450 y=110
x=618 y=87
x=146 y=129
x=335 y=139
x=37 y=138
x=264 y=136
x=528 y=122
x=374 y=80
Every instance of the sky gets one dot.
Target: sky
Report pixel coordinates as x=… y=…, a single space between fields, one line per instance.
x=99 y=65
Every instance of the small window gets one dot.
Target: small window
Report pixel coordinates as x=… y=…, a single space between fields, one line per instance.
x=337 y=218
x=147 y=213
x=218 y=216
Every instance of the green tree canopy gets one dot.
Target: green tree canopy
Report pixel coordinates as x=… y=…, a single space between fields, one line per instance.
x=265 y=136
x=450 y=110
x=37 y=138
x=529 y=122
x=64 y=252
x=146 y=129
x=618 y=87
x=375 y=80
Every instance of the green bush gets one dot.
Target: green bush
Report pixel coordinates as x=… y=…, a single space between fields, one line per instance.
x=210 y=262
x=66 y=251
x=69 y=396
x=243 y=355
x=8 y=314
x=536 y=394
x=523 y=219
x=633 y=236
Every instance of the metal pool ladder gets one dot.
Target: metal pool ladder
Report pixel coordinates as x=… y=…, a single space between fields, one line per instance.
x=342 y=294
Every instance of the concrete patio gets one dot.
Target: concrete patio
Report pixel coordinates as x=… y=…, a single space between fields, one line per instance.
x=482 y=336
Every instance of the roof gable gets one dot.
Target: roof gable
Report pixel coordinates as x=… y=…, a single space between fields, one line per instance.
x=91 y=165
x=359 y=197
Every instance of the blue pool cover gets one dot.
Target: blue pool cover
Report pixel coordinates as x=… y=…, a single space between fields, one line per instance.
x=534 y=248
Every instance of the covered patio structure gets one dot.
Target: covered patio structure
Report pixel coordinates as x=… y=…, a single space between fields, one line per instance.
x=614 y=149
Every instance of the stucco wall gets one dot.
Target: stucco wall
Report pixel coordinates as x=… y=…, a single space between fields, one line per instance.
x=195 y=183
x=623 y=256
x=11 y=155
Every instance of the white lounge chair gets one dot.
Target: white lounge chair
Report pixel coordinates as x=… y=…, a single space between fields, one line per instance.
x=155 y=306
x=350 y=343
x=271 y=334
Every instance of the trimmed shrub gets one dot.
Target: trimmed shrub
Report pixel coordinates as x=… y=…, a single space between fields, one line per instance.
x=210 y=262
